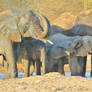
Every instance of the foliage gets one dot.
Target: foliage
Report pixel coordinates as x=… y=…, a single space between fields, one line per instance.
x=87 y=4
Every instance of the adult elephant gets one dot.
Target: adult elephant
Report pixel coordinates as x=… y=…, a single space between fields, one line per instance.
x=76 y=49
x=72 y=25
x=83 y=24
x=14 y=26
x=57 y=52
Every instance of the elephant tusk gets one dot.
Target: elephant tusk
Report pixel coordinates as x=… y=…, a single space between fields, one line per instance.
x=46 y=40
x=67 y=53
x=50 y=42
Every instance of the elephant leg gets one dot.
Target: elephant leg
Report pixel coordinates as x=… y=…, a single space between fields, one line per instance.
x=82 y=65
x=7 y=70
x=43 y=60
x=73 y=65
x=91 y=65
x=2 y=60
x=10 y=59
x=61 y=66
x=26 y=67
x=32 y=67
x=52 y=66
x=38 y=67
x=6 y=66
x=16 y=52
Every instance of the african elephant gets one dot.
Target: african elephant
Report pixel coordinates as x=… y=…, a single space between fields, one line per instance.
x=15 y=26
x=77 y=51
x=35 y=57
x=72 y=25
x=54 y=55
x=58 y=52
x=83 y=24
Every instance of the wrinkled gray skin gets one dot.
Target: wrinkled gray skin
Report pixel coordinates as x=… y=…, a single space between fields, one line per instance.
x=82 y=51
x=36 y=53
x=83 y=27
x=76 y=48
x=12 y=27
x=36 y=56
x=57 y=52
x=54 y=55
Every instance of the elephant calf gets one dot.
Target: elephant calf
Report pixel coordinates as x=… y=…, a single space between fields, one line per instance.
x=35 y=56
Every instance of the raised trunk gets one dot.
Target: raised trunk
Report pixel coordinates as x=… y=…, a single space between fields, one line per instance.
x=42 y=30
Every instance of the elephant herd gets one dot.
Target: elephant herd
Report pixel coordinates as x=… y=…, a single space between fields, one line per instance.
x=30 y=32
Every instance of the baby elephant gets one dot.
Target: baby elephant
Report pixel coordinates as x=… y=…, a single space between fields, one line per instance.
x=35 y=57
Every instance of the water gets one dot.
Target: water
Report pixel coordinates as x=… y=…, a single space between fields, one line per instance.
x=21 y=75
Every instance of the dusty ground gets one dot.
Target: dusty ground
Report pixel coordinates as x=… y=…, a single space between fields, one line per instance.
x=52 y=82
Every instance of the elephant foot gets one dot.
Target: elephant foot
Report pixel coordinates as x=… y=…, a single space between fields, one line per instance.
x=91 y=73
x=78 y=75
x=61 y=66
x=37 y=68
x=14 y=75
x=7 y=76
x=26 y=75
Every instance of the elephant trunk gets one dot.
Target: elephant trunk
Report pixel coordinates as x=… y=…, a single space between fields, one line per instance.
x=38 y=25
x=43 y=28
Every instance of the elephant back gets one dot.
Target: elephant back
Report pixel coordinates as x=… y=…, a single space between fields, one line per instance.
x=83 y=23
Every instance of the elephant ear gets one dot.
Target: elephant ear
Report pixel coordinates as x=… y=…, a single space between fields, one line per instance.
x=15 y=37
x=77 y=44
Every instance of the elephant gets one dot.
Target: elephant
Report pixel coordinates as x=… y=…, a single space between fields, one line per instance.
x=75 y=48
x=72 y=25
x=82 y=27
x=58 y=50
x=35 y=57
x=54 y=55
x=13 y=28
x=83 y=24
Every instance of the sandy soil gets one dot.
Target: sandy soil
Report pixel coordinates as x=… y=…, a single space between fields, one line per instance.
x=52 y=82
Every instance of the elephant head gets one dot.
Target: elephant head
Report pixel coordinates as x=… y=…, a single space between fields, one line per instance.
x=88 y=43
x=33 y=25
x=26 y=24
x=71 y=46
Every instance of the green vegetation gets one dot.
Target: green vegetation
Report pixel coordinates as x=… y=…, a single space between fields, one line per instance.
x=87 y=4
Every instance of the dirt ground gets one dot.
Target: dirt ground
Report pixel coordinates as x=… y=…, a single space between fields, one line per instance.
x=51 y=82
